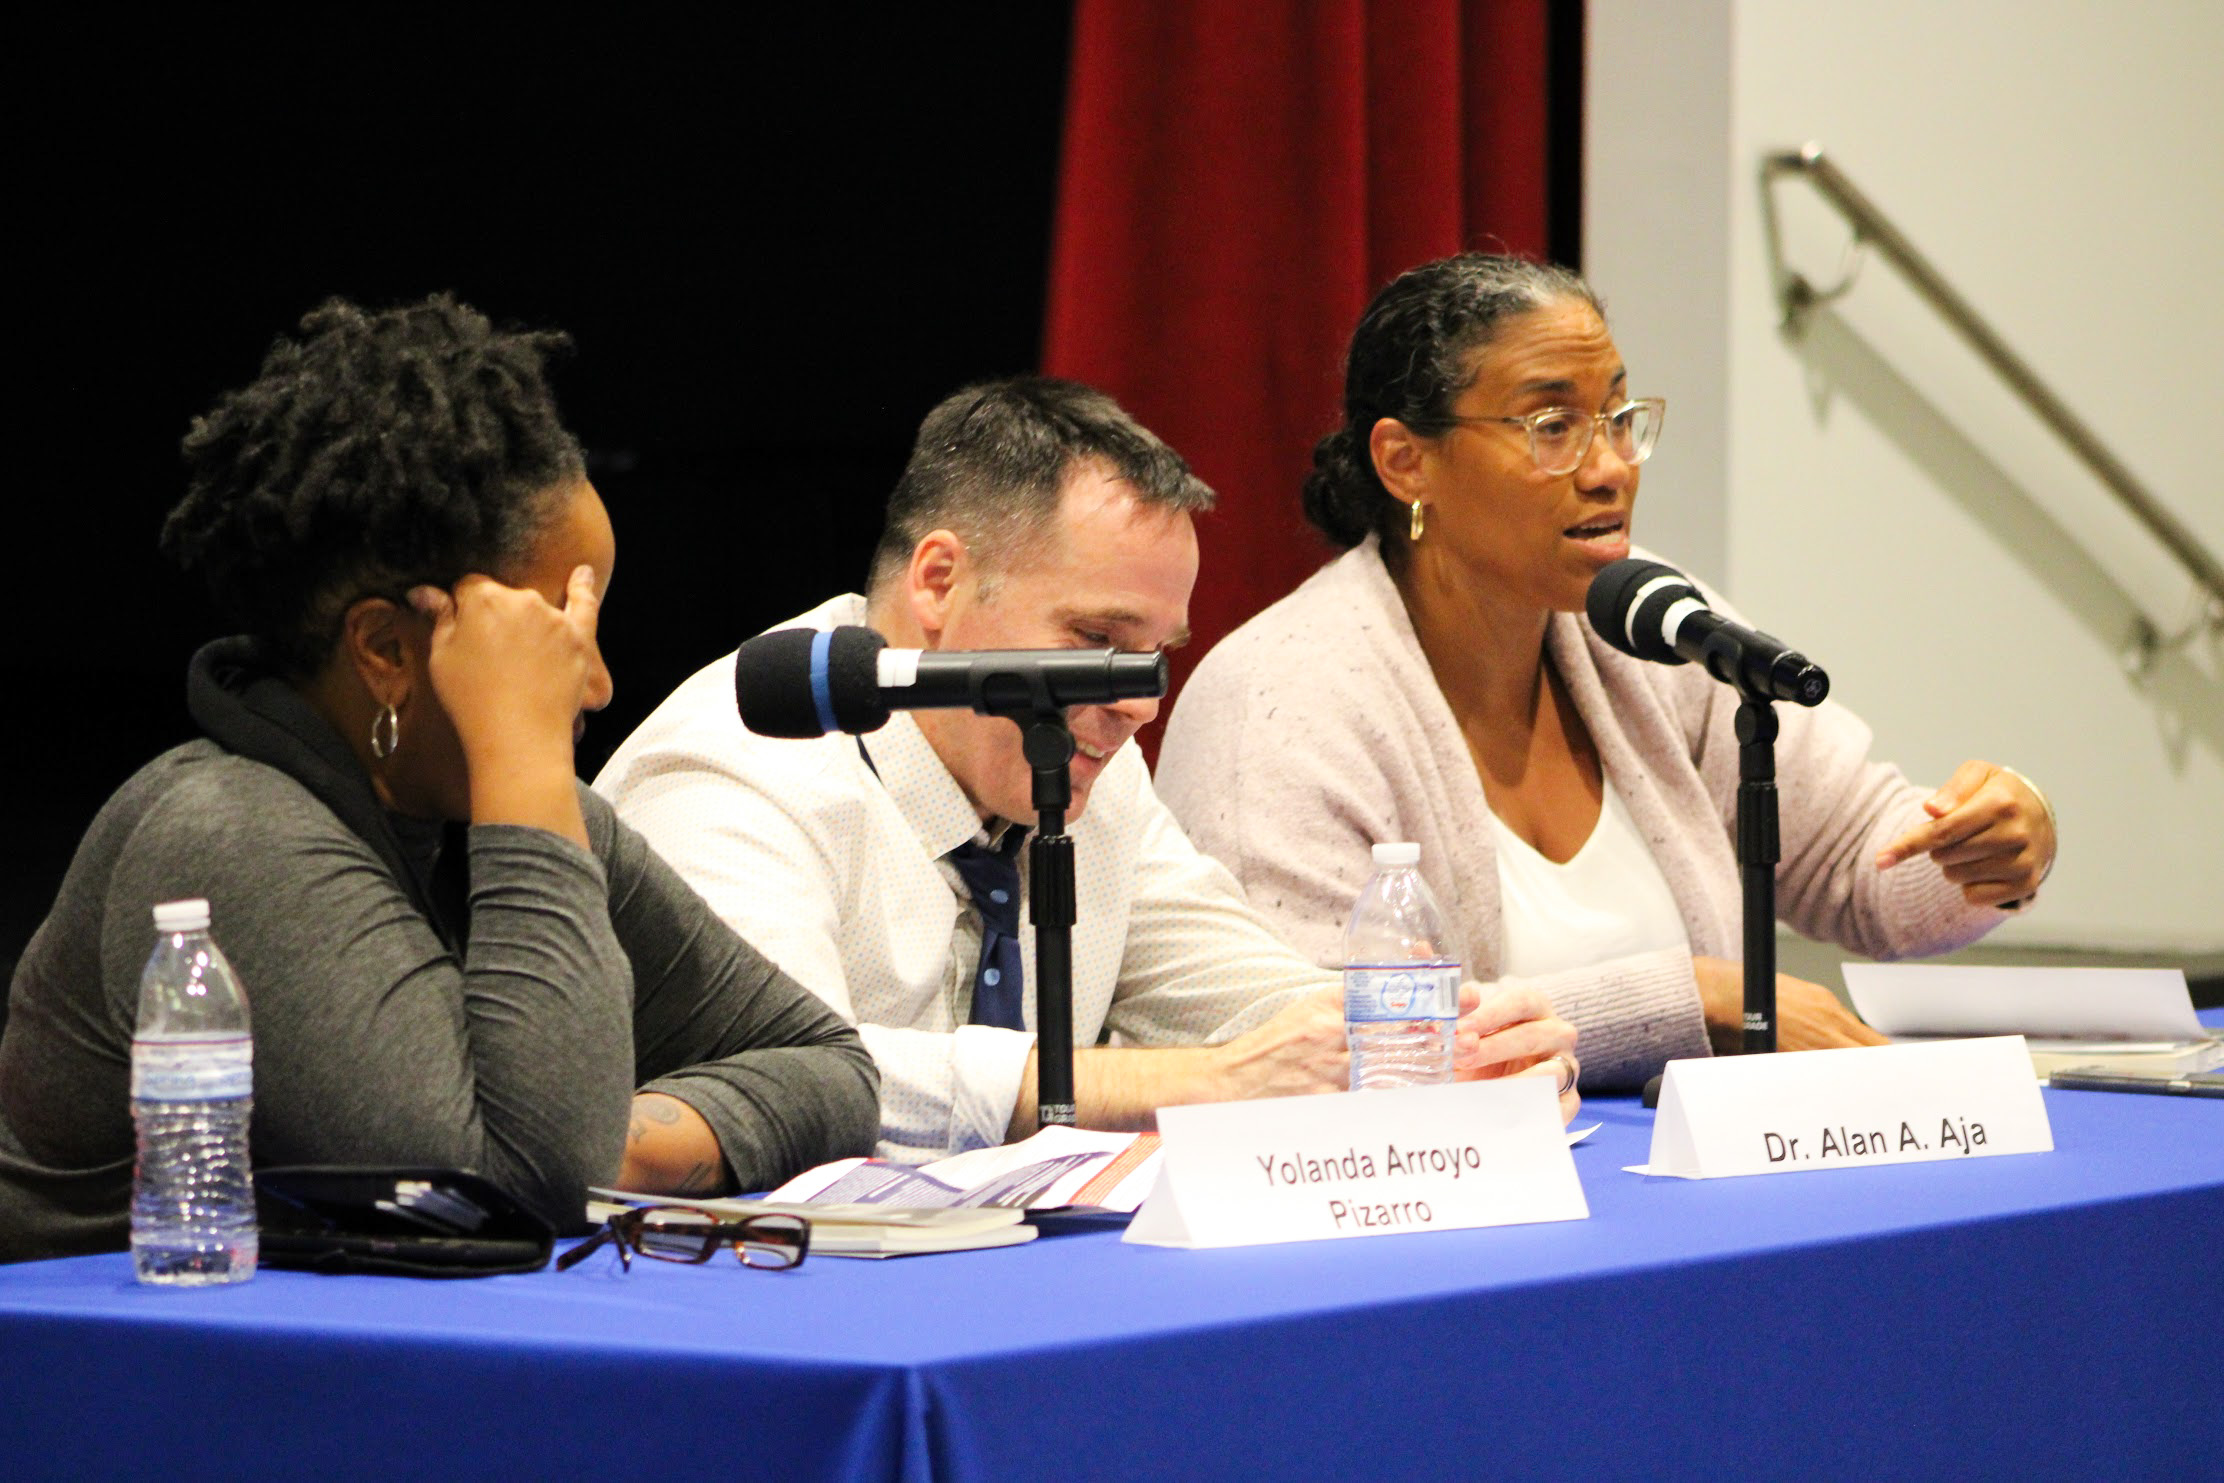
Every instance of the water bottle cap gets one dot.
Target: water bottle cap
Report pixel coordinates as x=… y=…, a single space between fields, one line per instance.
x=1397 y=854
x=181 y=916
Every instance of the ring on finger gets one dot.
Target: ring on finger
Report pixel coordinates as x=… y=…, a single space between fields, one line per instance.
x=1568 y=1072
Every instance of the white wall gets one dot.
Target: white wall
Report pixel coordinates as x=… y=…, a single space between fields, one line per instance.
x=1868 y=489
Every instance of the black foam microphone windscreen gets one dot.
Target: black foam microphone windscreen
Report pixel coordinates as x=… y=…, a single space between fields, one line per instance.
x=1629 y=618
x=1652 y=611
x=805 y=682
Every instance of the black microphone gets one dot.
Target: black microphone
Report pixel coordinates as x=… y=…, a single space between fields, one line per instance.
x=803 y=682
x=1652 y=611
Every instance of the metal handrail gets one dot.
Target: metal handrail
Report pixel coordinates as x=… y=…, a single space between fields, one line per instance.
x=1871 y=226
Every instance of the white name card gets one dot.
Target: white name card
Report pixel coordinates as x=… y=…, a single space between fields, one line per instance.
x=1441 y=1158
x=1836 y=1109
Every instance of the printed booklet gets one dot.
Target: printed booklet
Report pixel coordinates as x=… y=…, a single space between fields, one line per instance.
x=870 y=1207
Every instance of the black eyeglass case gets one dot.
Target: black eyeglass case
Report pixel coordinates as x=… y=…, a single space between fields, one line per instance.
x=395 y=1222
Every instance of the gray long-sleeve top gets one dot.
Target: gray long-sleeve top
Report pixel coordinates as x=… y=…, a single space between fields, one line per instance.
x=496 y=1018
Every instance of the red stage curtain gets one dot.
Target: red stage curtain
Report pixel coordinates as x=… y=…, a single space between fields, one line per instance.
x=1239 y=177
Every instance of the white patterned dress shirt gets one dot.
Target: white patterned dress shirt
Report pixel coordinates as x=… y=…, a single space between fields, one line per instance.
x=838 y=875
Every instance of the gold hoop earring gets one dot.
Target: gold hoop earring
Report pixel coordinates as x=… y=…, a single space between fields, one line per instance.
x=1420 y=515
x=386 y=733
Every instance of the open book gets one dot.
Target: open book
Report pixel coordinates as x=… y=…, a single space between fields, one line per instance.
x=869 y=1207
x=1057 y=1169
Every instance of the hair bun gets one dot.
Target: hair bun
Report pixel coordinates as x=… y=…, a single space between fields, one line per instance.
x=1340 y=495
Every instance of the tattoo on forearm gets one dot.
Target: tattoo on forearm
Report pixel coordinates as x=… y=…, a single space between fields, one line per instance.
x=647 y=1110
x=700 y=1179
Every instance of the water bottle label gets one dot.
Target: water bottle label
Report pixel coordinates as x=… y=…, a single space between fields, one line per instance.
x=192 y=1070
x=1414 y=991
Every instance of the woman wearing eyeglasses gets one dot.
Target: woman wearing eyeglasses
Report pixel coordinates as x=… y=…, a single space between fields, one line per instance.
x=454 y=954
x=1574 y=806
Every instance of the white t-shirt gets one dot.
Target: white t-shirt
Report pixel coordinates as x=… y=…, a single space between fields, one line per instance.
x=1609 y=901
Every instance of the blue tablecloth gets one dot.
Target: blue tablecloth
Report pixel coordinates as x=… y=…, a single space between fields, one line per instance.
x=2038 y=1316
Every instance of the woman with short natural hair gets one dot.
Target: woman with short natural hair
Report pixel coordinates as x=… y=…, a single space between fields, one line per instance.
x=454 y=954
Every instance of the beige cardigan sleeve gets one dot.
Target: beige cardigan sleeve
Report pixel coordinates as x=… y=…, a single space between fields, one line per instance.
x=1837 y=805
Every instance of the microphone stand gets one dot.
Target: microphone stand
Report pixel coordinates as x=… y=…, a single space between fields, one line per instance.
x=1048 y=745
x=1047 y=742
x=1759 y=847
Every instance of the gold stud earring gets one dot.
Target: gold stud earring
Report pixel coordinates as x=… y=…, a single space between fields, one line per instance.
x=1420 y=512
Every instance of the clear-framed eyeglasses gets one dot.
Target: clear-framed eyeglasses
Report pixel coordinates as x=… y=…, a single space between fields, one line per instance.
x=1560 y=437
x=679 y=1233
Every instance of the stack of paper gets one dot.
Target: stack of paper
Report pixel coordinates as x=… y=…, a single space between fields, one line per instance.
x=2119 y=1019
x=1057 y=1169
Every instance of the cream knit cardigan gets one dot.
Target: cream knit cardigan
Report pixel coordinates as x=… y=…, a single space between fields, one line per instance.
x=1317 y=729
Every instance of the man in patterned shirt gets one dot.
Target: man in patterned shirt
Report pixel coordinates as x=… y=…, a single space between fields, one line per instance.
x=1033 y=514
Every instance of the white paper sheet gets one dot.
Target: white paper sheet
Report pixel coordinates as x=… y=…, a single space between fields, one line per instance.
x=2077 y=1004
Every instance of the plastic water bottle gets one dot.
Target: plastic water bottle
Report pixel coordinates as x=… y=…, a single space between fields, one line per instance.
x=192 y=1090
x=1401 y=982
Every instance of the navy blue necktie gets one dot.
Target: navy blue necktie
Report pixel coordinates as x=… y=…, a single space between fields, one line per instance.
x=992 y=878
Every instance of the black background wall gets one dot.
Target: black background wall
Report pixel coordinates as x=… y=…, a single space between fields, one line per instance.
x=776 y=241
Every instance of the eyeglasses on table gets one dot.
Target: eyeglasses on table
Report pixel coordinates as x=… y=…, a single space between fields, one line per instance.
x=680 y=1233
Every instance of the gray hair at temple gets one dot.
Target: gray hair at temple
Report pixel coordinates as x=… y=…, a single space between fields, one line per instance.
x=992 y=461
x=1411 y=357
